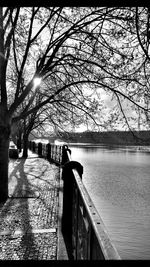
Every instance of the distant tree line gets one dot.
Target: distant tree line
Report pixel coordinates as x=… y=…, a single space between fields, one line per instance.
x=110 y=137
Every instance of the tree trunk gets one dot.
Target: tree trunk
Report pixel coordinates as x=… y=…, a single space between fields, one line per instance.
x=4 y=153
x=25 y=146
x=4 y=158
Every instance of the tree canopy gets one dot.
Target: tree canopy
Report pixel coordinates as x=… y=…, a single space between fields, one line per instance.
x=81 y=55
x=75 y=50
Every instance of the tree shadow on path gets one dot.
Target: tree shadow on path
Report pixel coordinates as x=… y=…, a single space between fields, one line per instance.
x=22 y=218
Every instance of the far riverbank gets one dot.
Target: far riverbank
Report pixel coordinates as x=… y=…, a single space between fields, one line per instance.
x=134 y=138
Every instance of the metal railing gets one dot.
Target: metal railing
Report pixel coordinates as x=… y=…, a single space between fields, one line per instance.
x=49 y=151
x=81 y=223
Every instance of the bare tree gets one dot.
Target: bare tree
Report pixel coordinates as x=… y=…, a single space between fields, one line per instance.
x=72 y=50
x=33 y=43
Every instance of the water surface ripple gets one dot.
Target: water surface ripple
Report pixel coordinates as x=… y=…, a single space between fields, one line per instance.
x=118 y=181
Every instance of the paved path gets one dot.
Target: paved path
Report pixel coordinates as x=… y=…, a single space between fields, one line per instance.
x=29 y=218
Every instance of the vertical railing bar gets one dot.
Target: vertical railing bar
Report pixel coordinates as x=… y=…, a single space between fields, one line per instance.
x=76 y=215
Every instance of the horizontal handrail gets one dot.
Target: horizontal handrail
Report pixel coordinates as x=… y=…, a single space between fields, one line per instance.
x=106 y=245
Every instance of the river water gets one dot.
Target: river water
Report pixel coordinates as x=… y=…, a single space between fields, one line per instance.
x=118 y=181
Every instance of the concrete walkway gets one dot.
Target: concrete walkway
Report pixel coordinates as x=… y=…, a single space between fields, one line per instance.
x=30 y=218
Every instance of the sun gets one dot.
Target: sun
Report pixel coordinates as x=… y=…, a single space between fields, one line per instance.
x=37 y=81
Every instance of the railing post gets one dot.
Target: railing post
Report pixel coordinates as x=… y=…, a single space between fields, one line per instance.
x=30 y=145
x=55 y=153
x=64 y=154
x=60 y=154
x=64 y=160
x=68 y=178
x=52 y=149
x=40 y=149
x=33 y=146
x=44 y=150
x=48 y=149
x=19 y=144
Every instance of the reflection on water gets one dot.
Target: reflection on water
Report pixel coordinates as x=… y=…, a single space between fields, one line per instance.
x=118 y=181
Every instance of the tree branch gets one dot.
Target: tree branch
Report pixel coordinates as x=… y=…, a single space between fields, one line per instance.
x=138 y=35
